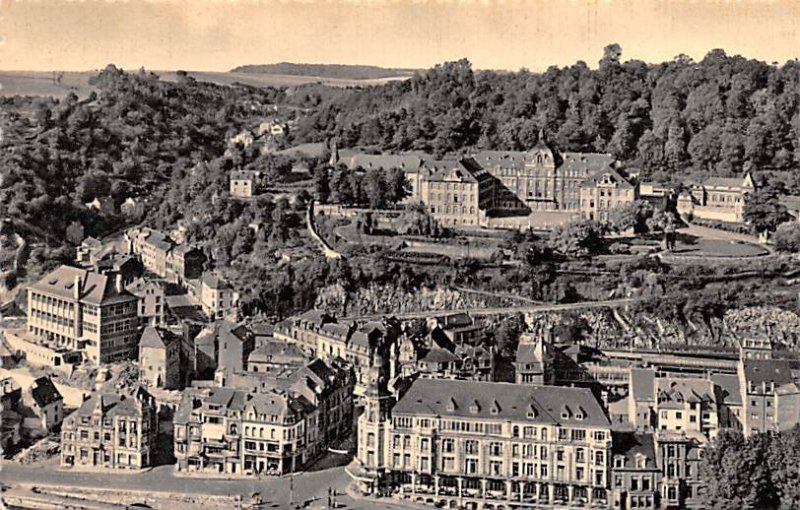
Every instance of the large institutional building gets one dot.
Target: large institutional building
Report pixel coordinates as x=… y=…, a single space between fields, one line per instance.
x=462 y=192
x=79 y=310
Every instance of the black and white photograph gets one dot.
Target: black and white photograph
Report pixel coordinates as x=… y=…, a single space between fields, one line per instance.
x=400 y=254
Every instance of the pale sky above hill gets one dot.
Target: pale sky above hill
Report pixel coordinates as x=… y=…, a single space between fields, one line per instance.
x=217 y=35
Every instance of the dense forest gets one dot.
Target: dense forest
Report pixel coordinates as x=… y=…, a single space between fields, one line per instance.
x=722 y=115
x=126 y=140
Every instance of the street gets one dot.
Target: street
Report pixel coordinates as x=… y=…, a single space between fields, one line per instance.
x=274 y=491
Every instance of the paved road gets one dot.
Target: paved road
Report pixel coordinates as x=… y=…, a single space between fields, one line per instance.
x=608 y=303
x=307 y=486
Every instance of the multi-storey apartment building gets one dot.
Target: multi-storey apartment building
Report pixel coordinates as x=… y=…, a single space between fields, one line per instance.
x=111 y=430
x=635 y=473
x=770 y=395
x=320 y=335
x=85 y=311
x=679 y=455
x=152 y=301
x=604 y=191
x=467 y=444
x=264 y=424
x=217 y=297
x=162 y=256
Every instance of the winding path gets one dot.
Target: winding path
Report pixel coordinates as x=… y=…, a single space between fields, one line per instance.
x=327 y=250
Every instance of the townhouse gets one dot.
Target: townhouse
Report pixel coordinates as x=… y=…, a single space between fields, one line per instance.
x=111 y=431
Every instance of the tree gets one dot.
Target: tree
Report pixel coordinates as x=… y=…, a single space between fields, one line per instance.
x=787 y=237
x=632 y=215
x=577 y=239
x=763 y=211
x=322 y=185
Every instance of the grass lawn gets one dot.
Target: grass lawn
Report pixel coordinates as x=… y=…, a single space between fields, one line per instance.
x=718 y=248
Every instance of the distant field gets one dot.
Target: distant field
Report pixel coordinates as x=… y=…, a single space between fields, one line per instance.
x=40 y=83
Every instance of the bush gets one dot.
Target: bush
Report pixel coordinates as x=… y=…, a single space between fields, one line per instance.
x=619 y=249
x=787 y=237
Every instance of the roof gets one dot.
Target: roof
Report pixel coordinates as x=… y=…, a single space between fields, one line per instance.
x=95 y=288
x=277 y=352
x=502 y=401
x=614 y=177
x=529 y=353
x=244 y=174
x=462 y=170
x=44 y=392
x=686 y=389
x=139 y=285
x=586 y=162
x=727 y=387
x=632 y=444
x=214 y=281
x=439 y=355
x=729 y=182
x=454 y=320
x=759 y=371
x=405 y=162
x=113 y=404
x=157 y=338
x=643 y=384
x=154 y=238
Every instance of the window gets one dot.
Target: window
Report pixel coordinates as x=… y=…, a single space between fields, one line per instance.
x=447 y=446
x=495 y=448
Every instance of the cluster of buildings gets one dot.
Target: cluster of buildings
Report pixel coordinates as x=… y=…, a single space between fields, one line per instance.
x=34 y=411
x=560 y=186
x=578 y=428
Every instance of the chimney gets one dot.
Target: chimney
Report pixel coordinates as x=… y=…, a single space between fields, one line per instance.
x=76 y=288
x=118 y=283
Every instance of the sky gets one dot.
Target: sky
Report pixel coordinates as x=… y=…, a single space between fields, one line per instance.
x=217 y=35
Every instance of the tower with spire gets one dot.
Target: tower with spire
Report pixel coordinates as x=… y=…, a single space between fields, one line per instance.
x=368 y=468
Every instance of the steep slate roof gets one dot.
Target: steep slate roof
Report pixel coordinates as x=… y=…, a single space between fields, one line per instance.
x=112 y=404
x=214 y=281
x=96 y=288
x=155 y=238
x=462 y=170
x=643 y=384
x=631 y=444
x=405 y=162
x=277 y=352
x=727 y=387
x=728 y=182
x=447 y=398
x=688 y=389
x=759 y=371
x=439 y=355
x=138 y=286
x=588 y=162
x=44 y=392
x=157 y=338
x=597 y=177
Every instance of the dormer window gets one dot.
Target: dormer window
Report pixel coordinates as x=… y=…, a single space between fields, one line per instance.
x=495 y=408
x=565 y=413
x=474 y=408
x=531 y=413
x=451 y=405
x=581 y=414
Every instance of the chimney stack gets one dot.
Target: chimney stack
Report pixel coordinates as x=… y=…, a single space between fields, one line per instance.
x=118 y=282
x=76 y=288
